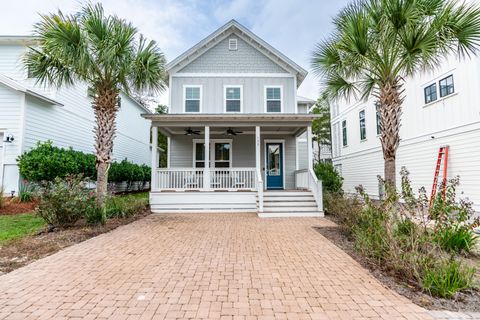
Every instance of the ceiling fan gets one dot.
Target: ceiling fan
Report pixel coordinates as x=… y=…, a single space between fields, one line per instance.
x=231 y=132
x=190 y=131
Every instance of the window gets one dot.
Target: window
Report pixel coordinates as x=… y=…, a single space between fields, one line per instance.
x=222 y=155
x=446 y=86
x=363 y=129
x=192 y=99
x=233 y=99
x=430 y=93
x=199 y=155
x=379 y=120
x=232 y=44
x=273 y=99
x=344 y=132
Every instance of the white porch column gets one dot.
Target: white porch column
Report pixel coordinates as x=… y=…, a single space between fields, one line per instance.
x=309 y=148
x=154 y=166
x=257 y=149
x=206 y=174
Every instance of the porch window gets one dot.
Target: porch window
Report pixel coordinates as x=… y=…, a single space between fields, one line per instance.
x=446 y=86
x=199 y=155
x=430 y=93
x=363 y=128
x=192 y=99
x=222 y=155
x=273 y=99
x=233 y=99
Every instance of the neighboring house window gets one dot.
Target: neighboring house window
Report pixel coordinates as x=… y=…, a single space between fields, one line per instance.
x=430 y=93
x=363 y=129
x=232 y=44
x=379 y=122
x=199 y=155
x=192 y=99
x=273 y=99
x=446 y=86
x=344 y=132
x=233 y=99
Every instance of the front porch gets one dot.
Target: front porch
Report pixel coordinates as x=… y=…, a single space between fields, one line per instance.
x=227 y=162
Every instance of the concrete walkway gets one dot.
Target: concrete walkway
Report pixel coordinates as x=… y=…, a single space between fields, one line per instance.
x=209 y=266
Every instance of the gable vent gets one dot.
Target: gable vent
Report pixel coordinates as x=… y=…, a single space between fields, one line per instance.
x=232 y=44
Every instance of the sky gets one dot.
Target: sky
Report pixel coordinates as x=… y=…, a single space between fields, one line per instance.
x=291 y=26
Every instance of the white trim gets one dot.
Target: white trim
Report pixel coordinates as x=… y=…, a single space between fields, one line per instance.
x=2 y=162
x=225 y=87
x=212 y=151
x=360 y=126
x=265 y=141
x=168 y=151
x=231 y=75
x=265 y=98
x=232 y=44
x=169 y=93
x=295 y=95
x=185 y=86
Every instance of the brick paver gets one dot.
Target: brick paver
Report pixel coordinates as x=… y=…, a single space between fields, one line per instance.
x=210 y=266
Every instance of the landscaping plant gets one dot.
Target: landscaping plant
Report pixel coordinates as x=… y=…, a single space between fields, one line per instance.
x=26 y=192
x=331 y=179
x=2 y=199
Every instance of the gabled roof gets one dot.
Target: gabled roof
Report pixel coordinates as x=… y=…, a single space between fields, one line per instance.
x=9 y=82
x=304 y=100
x=260 y=44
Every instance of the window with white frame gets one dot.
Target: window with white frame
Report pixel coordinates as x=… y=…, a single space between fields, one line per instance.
x=273 y=97
x=199 y=155
x=430 y=93
x=363 y=128
x=192 y=98
x=233 y=98
x=377 y=115
x=232 y=44
x=446 y=86
x=220 y=153
x=344 y=133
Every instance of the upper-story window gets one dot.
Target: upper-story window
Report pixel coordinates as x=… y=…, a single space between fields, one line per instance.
x=363 y=128
x=233 y=98
x=232 y=44
x=344 y=133
x=430 y=93
x=193 y=98
x=377 y=115
x=273 y=99
x=446 y=86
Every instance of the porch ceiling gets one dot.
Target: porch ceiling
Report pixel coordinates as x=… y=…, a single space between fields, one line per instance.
x=283 y=123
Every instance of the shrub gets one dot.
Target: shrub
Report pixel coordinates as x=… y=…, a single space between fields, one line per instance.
x=331 y=179
x=47 y=162
x=2 y=199
x=345 y=210
x=64 y=201
x=26 y=192
x=124 y=206
x=456 y=238
x=127 y=171
x=447 y=278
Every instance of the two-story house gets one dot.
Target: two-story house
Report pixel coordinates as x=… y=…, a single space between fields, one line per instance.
x=31 y=113
x=440 y=109
x=232 y=130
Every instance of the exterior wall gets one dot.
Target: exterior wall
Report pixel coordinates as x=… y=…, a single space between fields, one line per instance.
x=453 y=120
x=243 y=152
x=245 y=59
x=11 y=61
x=213 y=92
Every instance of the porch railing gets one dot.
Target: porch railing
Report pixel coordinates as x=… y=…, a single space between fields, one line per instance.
x=193 y=179
x=307 y=179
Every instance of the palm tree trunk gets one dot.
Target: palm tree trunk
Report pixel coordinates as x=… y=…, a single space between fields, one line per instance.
x=105 y=106
x=390 y=99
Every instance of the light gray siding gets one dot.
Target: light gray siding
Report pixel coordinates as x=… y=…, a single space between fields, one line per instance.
x=246 y=59
x=243 y=153
x=253 y=93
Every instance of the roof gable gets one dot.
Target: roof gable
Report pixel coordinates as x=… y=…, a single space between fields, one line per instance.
x=246 y=35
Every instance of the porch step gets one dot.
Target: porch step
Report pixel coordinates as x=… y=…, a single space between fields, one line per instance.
x=289 y=203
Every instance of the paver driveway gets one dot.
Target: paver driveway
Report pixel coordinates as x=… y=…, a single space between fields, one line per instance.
x=202 y=266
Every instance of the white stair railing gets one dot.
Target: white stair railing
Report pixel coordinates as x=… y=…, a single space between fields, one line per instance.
x=306 y=179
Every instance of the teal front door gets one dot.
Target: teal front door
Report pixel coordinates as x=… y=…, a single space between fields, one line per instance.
x=274 y=169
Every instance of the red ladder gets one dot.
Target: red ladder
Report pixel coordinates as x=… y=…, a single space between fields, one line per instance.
x=442 y=154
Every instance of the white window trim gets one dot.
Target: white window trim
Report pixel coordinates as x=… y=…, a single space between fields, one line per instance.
x=225 y=87
x=212 y=150
x=341 y=132
x=185 y=86
x=360 y=125
x=265 y=98
x=232 y=41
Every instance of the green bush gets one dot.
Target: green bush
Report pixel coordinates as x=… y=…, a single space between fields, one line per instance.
x=127 y=171
x=47 y=162
x=456 y=238
x=331 y=179
x=26 y=192
x=447 y=278
x=124 y=206
x=65 y=201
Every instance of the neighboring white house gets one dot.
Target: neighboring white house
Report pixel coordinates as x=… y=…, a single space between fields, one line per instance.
x=31 y=113
x=232 y=130
x=441 y=108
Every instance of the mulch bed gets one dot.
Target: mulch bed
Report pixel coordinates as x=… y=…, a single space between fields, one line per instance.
x=18 y=253
x=13 y=206
x=467 y=301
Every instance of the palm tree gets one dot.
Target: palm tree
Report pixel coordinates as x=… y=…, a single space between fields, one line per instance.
x=107 y=54
x=377 y=44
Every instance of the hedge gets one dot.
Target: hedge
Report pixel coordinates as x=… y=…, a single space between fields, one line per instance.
x=46 y=162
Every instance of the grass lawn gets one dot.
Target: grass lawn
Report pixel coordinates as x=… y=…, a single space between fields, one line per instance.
x=20 y=225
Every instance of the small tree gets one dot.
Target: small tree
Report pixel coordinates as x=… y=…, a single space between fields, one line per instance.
x=321 y=128
x=105 y=52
